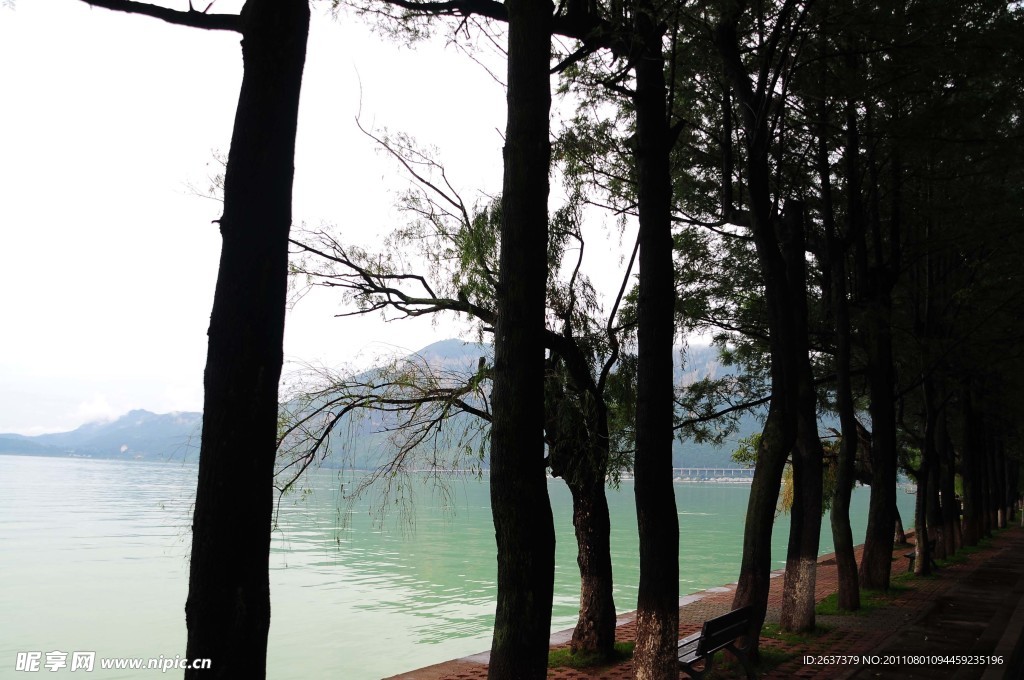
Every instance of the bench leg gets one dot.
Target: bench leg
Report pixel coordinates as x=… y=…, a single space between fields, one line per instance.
x=697 y=673
x=741 y=654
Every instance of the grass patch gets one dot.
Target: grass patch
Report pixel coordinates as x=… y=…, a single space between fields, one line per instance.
x=869 y=599
x=728 y=667
x=883 y=597
x=564 y=658
x=770 y=658
x=901 y=578
x=830 y=607
x=955 y=559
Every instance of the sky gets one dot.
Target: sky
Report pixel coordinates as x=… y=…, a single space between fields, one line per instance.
x=108 y=258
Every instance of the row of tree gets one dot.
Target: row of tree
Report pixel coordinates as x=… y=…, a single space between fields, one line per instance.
x=833 y=190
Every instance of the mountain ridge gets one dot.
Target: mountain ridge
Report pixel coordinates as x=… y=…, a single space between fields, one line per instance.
x=144 y=435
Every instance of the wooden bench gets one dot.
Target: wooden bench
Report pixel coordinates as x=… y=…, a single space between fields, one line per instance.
x=912 y=557
x=717 y=634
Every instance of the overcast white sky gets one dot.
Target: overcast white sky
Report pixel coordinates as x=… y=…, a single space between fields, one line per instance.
x=108 y=261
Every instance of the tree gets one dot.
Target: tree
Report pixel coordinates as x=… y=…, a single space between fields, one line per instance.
x=228 y=607
x=658 y=523
x=458 y=245
x=523 y=524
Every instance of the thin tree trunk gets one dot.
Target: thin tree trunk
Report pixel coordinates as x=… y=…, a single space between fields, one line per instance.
x=876 y=564
x=658 y=523
x=755 y=565
x=228 y=606
x=900 y=533
x=936 y=523
x=780 y=429
x=842 y=533
x=1004 y=485
x=947 y=473
x=969 y=455
x=523 y=523
x=922 y=562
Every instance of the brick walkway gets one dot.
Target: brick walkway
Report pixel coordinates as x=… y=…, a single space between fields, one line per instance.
x=972 y=607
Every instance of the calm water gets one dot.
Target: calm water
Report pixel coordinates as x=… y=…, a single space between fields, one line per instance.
x=95 y=558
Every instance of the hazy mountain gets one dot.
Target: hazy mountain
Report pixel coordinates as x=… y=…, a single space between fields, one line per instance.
x=137 y=435
x=360 y=442
x=142 y=435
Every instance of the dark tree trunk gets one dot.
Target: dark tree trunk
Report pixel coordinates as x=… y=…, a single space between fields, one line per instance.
x=595 y=627
x=755 y=565
x=523 y=524
x=805 y=525
x=922 y=523
x=1013 y=466
x=900 y=534
x=228 y=607
x=947 y=480
x=780 y=429
x=658 y=524
x=1002 y=488
x=842 y=534
x=936 y=525
x=876 y=564
x=991 y=484
x=969 y=456
x=578 y=453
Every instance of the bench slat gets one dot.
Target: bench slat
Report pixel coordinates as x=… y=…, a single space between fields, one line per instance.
x=716 y=634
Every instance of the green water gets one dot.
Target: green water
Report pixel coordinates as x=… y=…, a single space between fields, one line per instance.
x=95 y=558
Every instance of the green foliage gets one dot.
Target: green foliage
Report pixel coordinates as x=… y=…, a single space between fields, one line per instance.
x=745 y=454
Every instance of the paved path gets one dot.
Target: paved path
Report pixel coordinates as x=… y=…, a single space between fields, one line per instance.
x=970 y=608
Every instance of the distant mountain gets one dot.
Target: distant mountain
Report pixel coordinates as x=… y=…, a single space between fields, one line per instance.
x=361 y=443
x=142 y=435
x=137 y=435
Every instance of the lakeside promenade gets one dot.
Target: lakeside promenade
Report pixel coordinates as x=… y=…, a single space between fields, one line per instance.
x=972 y=607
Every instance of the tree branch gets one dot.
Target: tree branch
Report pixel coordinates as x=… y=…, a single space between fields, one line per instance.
x=192 y=17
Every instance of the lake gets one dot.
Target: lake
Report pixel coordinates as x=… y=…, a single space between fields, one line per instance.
x=95 y=558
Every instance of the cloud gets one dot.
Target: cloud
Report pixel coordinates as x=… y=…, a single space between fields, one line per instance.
x=97 y=409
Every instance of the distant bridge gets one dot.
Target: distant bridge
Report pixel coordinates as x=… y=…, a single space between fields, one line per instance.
x=713 y=474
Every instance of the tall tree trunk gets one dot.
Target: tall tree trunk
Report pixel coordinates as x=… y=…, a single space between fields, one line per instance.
x=969 y=455
x=947 y=479
x=228 y=607
x=755 y=565
x=842 y=533
x=988 y=475
x=876 y=564
x=936 y=524
x=780 y=429
x=805 y=524
x=922 y=524
x=1002 y=486
x=658 y=523
x=523 y=523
